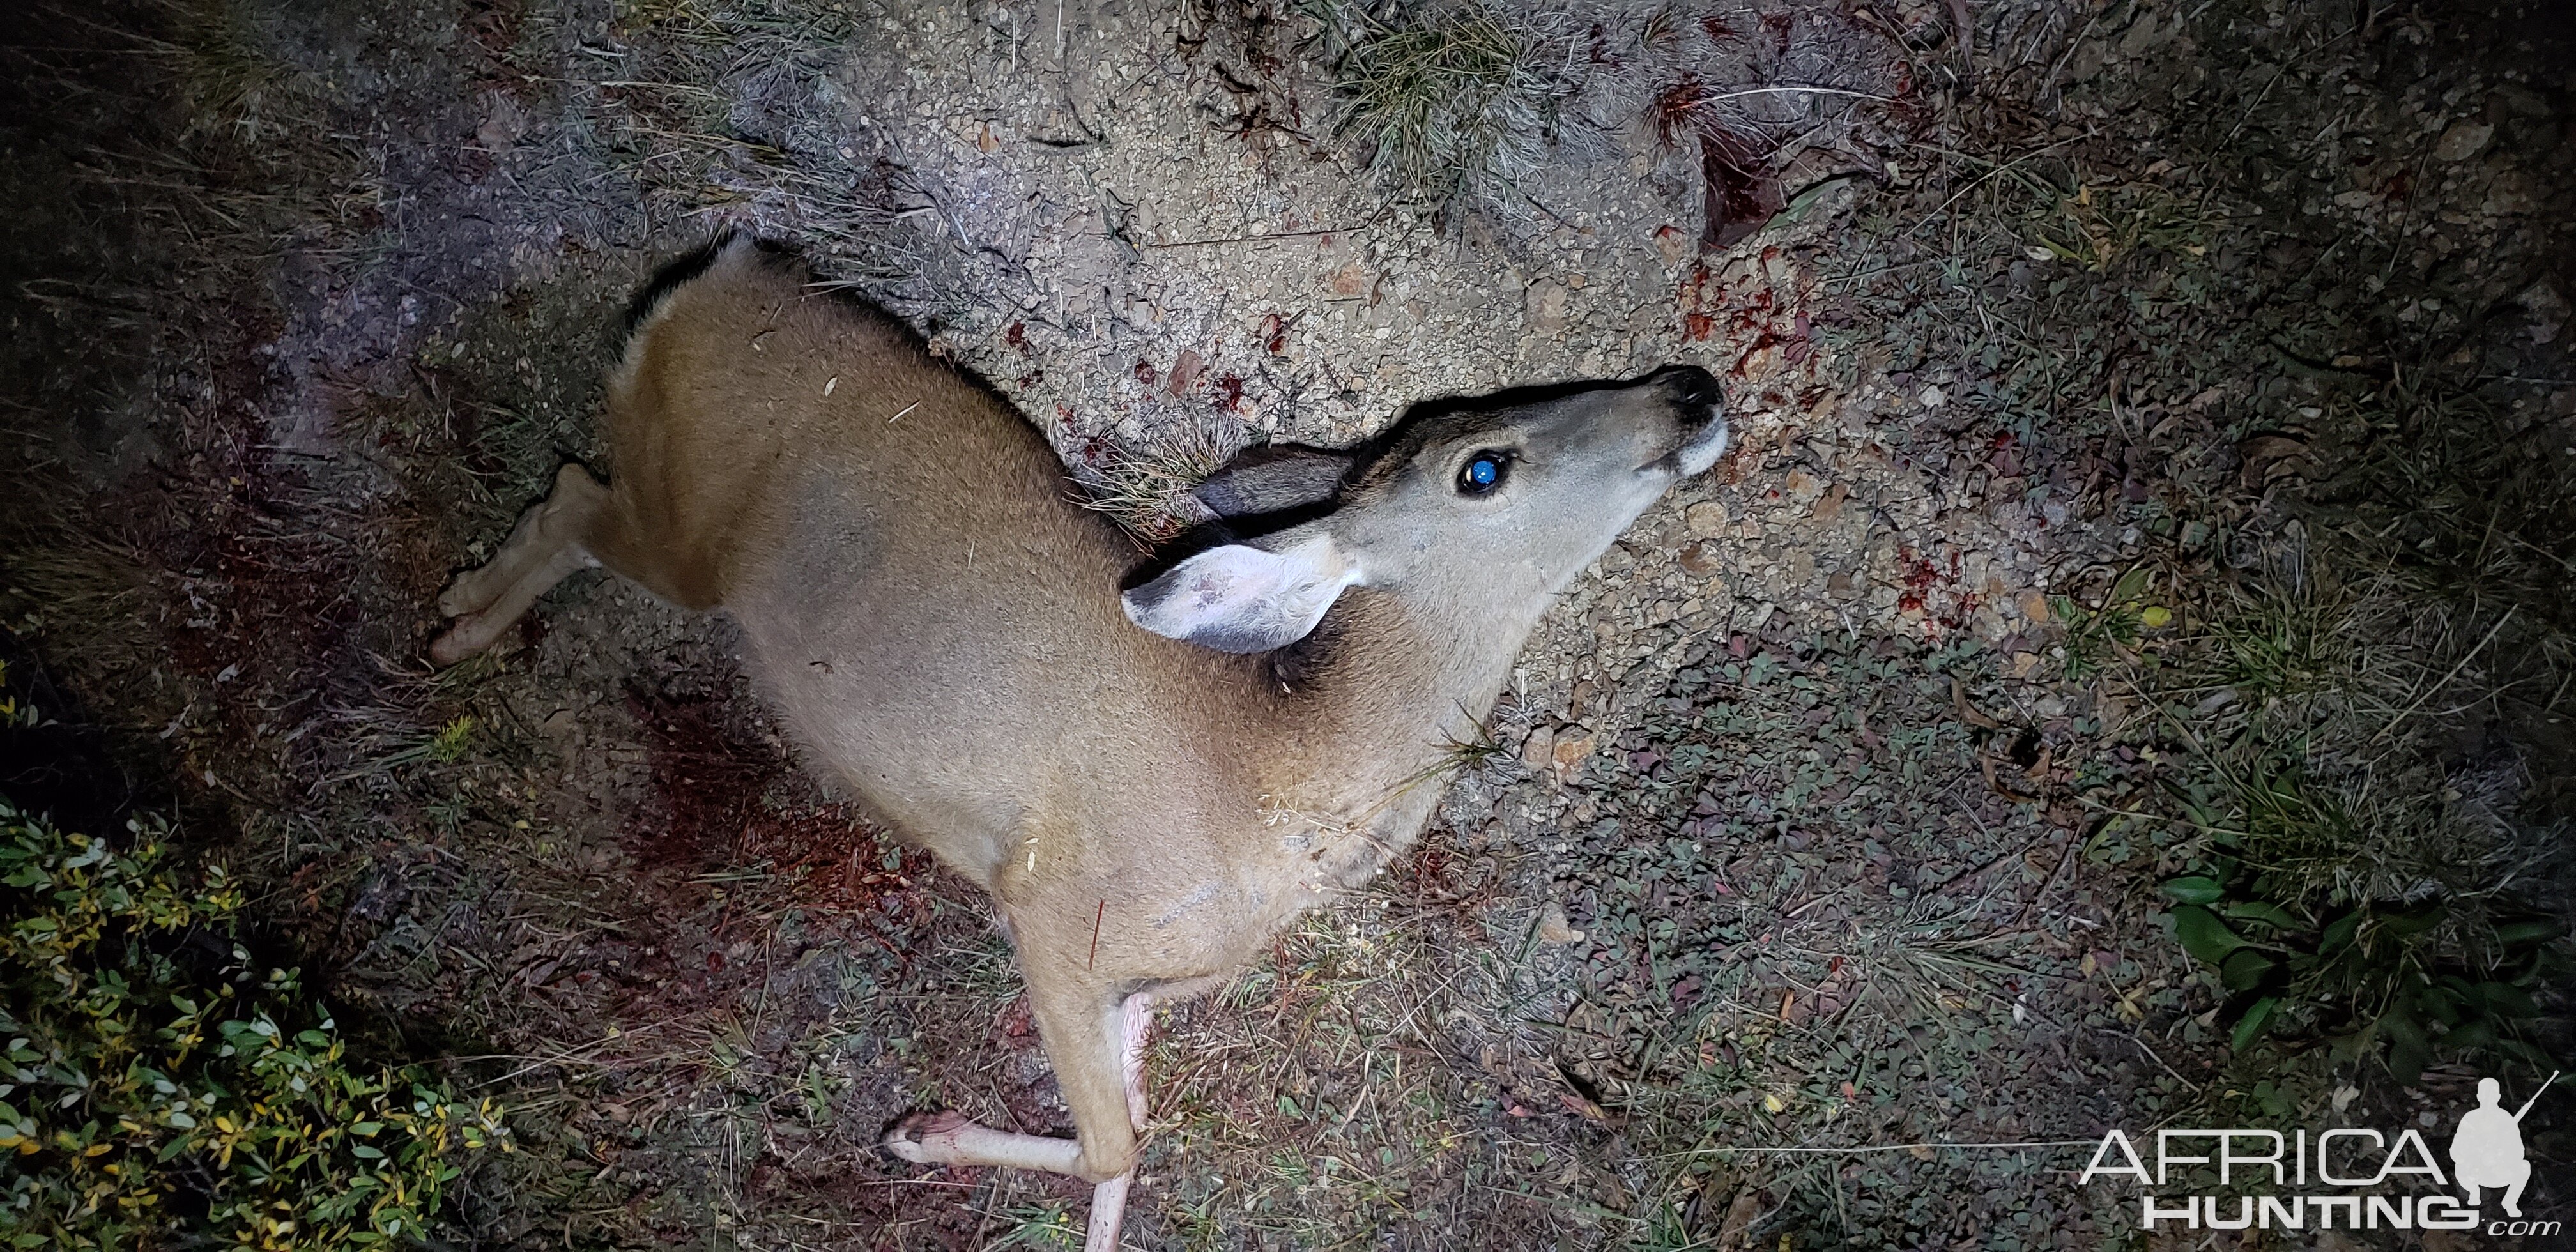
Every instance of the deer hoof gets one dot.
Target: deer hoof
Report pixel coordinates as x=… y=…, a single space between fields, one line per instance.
x=459 y=641
x=927 y=1138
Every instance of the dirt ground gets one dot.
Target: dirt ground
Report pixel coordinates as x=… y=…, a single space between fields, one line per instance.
x=1812 y=900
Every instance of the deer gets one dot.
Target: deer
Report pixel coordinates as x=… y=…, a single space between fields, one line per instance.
x=1151 y=762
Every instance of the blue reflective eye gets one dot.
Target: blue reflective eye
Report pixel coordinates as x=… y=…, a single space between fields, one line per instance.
x=1481 y=474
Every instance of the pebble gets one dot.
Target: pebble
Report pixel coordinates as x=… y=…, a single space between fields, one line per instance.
x=2462 y=141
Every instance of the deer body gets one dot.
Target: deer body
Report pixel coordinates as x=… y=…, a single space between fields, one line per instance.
x=1149 y=784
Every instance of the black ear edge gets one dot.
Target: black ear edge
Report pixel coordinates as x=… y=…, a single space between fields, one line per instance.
x=1274 y=478
x=1148 y=594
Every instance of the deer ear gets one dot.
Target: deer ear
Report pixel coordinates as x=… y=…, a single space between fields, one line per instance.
x=1239 y=598
x=1273 y=478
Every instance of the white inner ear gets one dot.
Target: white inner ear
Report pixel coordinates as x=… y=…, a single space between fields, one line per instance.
x=1238 y=598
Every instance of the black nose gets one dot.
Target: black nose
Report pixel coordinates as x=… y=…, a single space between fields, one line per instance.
x=1694 y=391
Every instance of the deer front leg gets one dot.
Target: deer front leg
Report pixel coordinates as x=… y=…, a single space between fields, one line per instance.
x=1109 y=1199
x=949 y=1139
x=549 y=544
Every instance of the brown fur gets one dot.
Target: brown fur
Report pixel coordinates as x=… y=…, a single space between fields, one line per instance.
x=942 y=625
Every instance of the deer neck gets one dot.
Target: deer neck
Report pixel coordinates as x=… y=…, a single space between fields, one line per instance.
x=1376 y=706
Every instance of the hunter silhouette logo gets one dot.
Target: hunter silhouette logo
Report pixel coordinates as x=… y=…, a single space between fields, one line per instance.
x=2486 y=1151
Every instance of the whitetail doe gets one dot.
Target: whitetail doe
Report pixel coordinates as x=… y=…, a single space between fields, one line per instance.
x=1150 y=783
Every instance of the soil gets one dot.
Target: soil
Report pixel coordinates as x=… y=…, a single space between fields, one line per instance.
x=1796 y=837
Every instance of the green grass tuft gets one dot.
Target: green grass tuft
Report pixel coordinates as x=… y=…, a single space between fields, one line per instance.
x=2355 y=885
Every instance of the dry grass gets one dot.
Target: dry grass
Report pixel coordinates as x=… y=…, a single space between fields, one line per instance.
x=2328 y=710
x=1147 y=490
x=1447 y=98
x=229 y=78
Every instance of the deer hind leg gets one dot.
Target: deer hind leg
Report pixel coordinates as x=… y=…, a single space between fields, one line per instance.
x=1104 y=1148
x=550 y=542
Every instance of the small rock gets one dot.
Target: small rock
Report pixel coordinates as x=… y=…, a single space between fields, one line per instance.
x=2142 y=35
x=1672 y=243
x=1706 y=519
x=2033 y=606
x=1700 y=559
x=2268 y=457
x=1830 y=505
x=1569 y=751
x=1553 y=928
x=2463 y=140
x=1932 y=398
x=1350 y=280
x=2021 y=664
x=1186 y=371
x=1538 y=751
x=1545 y=304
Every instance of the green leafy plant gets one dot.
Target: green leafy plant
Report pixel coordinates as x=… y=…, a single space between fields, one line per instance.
x=159 y=1090
x=2350 y=880
x=2421 y=977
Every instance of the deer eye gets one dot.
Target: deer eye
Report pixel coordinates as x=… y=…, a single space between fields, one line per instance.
x=1482 y=473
